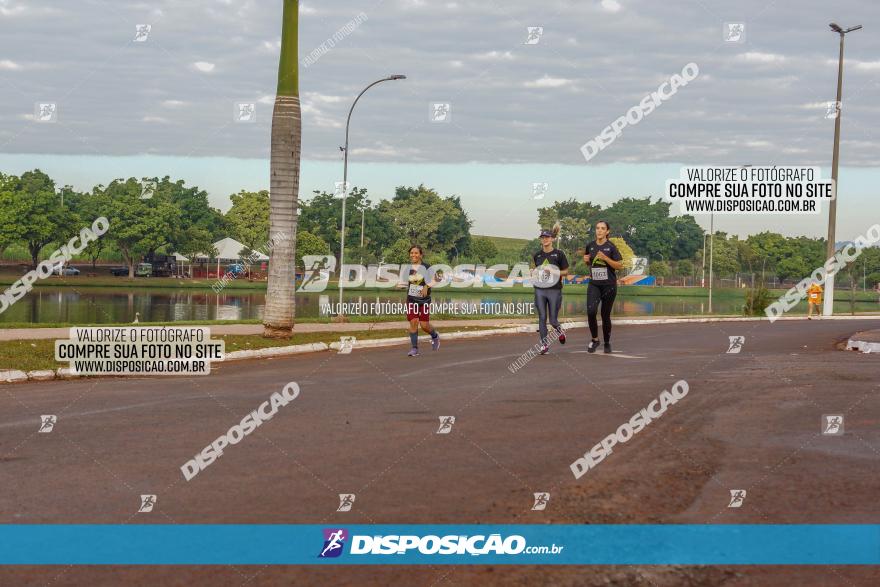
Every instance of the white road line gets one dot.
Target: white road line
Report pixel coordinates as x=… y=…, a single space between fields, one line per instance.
x=613 y=354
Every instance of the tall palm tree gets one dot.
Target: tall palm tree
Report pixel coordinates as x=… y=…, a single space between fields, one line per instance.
x=284 y=181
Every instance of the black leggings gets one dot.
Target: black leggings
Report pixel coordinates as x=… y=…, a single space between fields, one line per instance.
x=604 y=293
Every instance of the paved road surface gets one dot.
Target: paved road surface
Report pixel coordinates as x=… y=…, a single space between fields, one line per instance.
x=366 y=423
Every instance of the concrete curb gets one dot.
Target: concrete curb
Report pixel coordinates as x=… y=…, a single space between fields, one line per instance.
x=312 y=347
x=12 y=376
x=862 y=346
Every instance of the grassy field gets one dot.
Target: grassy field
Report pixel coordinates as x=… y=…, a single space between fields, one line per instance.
x=31 y=355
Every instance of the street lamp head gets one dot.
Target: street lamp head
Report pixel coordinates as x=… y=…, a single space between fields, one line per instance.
x=836 y=27
x=397 y=76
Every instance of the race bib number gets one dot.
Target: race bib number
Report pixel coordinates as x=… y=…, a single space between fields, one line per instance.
x=415 y=290
x=546 y=276
x=600 y=273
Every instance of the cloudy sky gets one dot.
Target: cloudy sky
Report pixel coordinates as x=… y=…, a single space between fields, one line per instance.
x=518 y=111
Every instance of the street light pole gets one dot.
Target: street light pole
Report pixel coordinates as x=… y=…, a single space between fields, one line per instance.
x=711 y=254
x=703 y=277
x=828 y=306
x=345 y=179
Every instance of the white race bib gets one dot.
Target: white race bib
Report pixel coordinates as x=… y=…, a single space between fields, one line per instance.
x=415 y=290
x=545 y=276
x=600 y=273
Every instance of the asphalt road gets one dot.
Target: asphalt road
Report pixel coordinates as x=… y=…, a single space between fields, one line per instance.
x=366 y=423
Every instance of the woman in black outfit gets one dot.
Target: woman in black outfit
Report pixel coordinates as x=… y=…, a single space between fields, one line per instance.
x=604 y=260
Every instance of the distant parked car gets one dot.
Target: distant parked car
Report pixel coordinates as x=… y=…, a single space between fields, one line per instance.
x=59 y=270
x=143 y=270
x=119 y=271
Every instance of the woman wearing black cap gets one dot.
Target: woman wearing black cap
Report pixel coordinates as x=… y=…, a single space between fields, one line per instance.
x=550 y=266
x=604 y=260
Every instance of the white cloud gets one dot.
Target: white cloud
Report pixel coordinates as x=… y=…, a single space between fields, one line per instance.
x=204 y=66
x=174 y=103
x=305 y=9
x=272 y=47
x=155 y=119
x=866 y=65
x=495 y=56
x=758 y=57
x=611 y=6
x=549 y=82
x=8 y=65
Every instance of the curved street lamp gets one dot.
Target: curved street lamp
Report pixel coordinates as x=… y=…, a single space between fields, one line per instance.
x=345 y=177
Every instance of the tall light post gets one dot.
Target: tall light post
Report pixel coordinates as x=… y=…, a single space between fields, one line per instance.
x=345 y=178
x=711 y=254
x=828 y=306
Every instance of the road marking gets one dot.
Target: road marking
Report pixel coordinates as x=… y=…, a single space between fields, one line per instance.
x=613 y=354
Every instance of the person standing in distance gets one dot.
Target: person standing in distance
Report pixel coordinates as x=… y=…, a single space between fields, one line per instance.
x=814 y=299
x=551 y=265
x=605 y=261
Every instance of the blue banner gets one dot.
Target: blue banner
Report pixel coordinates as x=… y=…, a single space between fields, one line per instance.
x=659 y=544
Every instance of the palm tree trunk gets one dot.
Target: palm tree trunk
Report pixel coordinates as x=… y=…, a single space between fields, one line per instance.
x=284 y=182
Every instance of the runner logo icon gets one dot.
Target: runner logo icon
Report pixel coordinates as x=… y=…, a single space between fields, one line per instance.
x=736 y=343
x=318 y=270
x=147 y=503
x=346 y=500
x=334 y=542
x=47 y=423
x=446 y=423
x=541 y=500
x=832 y=424
x=737 y=497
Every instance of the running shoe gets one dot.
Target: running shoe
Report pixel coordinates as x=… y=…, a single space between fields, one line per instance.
x=561 y=335
x=607 y=347
x=591 y=348
x=414 y=352
x=435 y=343
x=544 y=349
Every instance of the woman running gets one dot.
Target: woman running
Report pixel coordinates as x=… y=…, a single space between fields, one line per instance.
x=418 y=301
x=604 y=260
x=548 y=285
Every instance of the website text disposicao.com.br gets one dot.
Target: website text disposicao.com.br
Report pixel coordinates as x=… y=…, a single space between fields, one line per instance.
x=452 y=544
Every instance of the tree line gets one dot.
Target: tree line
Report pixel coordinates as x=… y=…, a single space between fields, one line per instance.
x=153 y=215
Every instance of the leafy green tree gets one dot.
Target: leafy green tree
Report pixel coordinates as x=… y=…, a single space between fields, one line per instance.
x=398 y=252
x=248 y=218
x=425 y=218
x=194 y=215
x=34 y=213
x=483 y=249
x=322 y=213
x=568 y=210
x=725 y=258
x=626 y=253
x=684 y=268
x=89 y=207
x=309 y=244
x=137 y=226
x=11 y=208
x=645 y=225
x=660 y=269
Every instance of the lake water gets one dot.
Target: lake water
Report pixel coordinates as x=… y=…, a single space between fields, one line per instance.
x=107 y=305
